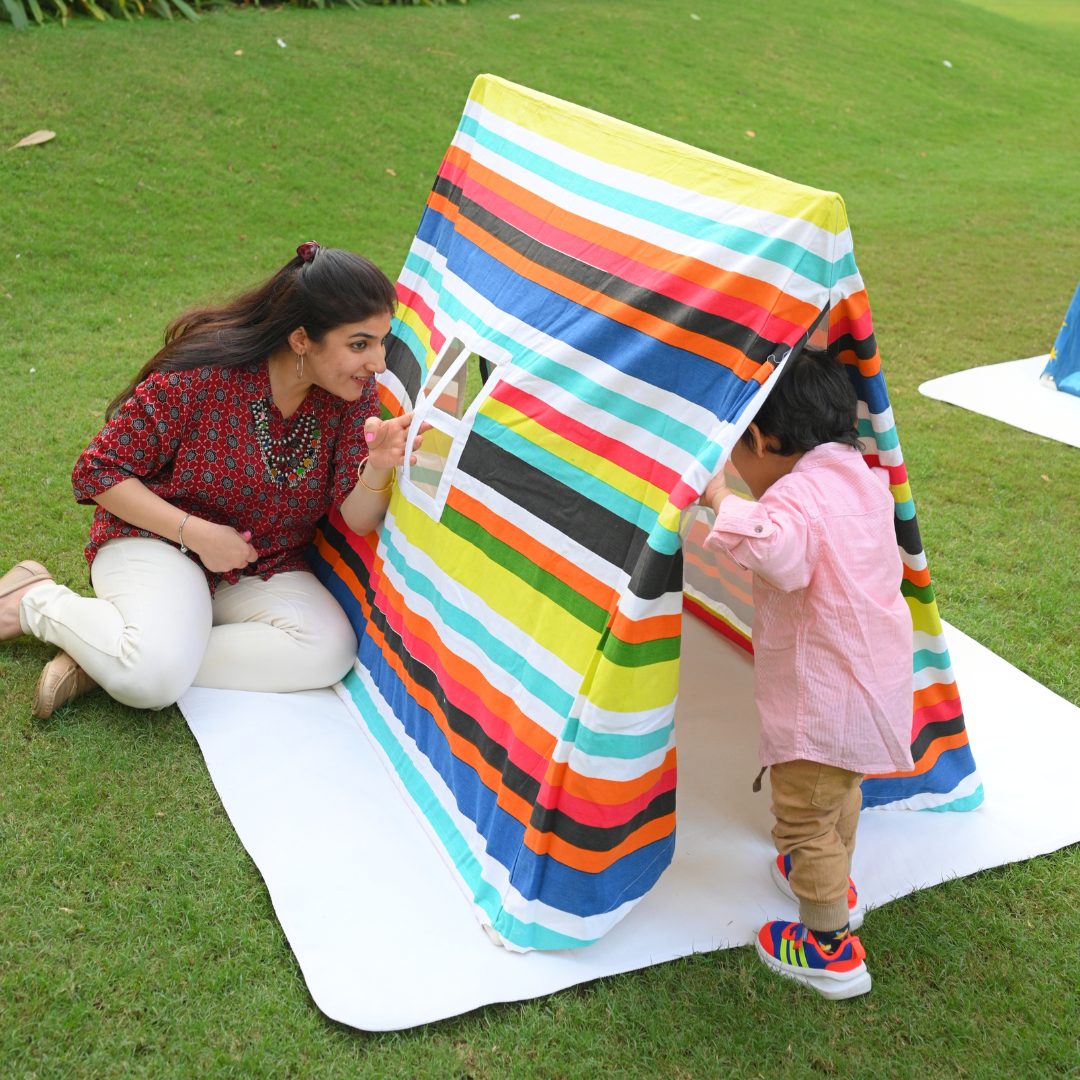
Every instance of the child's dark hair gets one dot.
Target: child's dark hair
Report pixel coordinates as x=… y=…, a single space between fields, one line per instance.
x=813 y=402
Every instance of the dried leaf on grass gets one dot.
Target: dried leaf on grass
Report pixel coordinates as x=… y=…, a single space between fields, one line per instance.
x=35 y=138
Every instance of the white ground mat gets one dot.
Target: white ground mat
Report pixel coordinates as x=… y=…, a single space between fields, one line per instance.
x=1012 y=393
x=386 y=940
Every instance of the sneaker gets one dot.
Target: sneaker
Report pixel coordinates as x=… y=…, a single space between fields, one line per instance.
x=791 y=950
x=782 y=867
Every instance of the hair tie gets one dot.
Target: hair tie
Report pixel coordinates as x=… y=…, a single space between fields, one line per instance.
x=307 y=251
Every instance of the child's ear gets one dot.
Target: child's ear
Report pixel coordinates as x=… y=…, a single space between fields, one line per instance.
x=760 y=448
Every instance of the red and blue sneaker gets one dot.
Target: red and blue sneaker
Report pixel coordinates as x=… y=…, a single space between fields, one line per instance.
x=782 y=867
x=790 y=949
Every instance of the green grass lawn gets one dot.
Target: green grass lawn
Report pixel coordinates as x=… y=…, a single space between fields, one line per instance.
x=136 y=936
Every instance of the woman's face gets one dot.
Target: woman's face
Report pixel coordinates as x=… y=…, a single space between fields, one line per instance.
x=346 y=357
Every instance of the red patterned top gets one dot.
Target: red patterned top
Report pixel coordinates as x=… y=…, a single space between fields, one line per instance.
x=192 y=437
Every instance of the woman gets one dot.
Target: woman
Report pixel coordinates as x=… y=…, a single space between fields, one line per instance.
x=209 y=476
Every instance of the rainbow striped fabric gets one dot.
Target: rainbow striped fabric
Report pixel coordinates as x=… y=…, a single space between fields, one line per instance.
x=519 y=613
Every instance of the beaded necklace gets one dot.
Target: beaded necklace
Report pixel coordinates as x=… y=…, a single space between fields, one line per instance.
x=288 y=458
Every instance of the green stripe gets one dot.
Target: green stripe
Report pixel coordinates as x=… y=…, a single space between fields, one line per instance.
x=582 y=609
x=923 y=593
x=639 y=654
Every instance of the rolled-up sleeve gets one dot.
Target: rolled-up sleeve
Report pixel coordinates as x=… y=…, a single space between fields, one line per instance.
x=773 y=538
x=350 y=450
x=141 y=440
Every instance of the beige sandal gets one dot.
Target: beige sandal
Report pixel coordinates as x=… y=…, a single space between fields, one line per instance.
x=12 y=585
x=61 y=681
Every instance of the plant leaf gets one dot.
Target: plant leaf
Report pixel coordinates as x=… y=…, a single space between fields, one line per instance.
x=35 y=10
x=186 y=10
x=162 y=8
x=95 y=10
x=63 y=9
x=18 y=16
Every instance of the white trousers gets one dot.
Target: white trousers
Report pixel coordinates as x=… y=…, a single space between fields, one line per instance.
x=154 y=630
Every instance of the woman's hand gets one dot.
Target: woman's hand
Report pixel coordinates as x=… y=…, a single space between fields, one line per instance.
x=220 y=548
x=716 y=491
x=386 y=441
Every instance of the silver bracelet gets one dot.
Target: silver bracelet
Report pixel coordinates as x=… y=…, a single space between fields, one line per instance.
x=180 y=534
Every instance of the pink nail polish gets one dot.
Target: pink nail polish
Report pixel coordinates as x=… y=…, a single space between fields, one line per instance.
x=370 y=436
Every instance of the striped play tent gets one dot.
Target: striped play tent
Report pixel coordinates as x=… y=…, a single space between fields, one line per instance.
x=519 y=613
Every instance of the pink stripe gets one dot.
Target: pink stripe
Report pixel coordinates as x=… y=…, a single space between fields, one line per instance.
x=596 y=815
x=626 y=457
x=682 y=495
x=520 y=753
x=417 y=303
x=707 y=616
x=678 y=288
x=897 y=473
x=933 y=714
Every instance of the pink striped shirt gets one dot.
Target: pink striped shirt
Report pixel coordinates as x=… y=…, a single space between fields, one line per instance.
x=832 y=634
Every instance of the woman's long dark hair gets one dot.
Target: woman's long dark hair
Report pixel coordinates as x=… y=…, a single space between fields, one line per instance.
x=331 y=288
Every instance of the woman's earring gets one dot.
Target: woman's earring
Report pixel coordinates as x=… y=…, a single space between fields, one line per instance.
x=299 y=365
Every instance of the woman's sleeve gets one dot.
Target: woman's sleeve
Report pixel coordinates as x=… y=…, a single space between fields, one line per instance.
x=773 y=538
x=140 y=440
x=350 y=450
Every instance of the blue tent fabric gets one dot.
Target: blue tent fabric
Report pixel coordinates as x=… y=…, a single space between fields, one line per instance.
x=1064 y=365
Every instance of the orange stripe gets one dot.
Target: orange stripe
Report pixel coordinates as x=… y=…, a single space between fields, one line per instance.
x=656 y=626
x=930 y=756
x=742 y=366
x=920 y=578
x=566 y=571
x=605 y=792
x=934 y=694
x=593 y=862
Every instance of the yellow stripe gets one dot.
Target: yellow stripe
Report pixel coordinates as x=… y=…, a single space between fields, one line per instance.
x=901 y=492
x=630 y=689
x=641 y=151
x=539 y=618
x=924 y=617
x=633 y=486
x=414 y=322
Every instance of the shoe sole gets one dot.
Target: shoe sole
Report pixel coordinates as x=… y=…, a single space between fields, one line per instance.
x=855 y=917
x=830 y=986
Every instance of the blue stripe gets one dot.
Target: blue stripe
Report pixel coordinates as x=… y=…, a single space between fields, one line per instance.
x=869 y=388
x=573 y=382
x=695 y=226
x=679 y=371
x=949 y=769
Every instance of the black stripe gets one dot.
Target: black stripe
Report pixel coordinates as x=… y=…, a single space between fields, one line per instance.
x=937 y=730
x=655 y=574
x=593 y=838
x=585 y=837
x=863 y=348
x=907 y=534
x=401 y=361
x=591 y=525
x=729 y=331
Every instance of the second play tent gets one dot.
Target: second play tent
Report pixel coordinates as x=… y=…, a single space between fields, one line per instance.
x=519 y=614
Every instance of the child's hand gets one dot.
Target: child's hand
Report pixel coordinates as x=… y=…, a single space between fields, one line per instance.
x=716 y=491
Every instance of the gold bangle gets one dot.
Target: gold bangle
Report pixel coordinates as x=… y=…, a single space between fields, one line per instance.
x=376 y=491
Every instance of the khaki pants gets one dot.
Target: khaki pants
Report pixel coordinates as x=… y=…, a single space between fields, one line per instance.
x=153 y=630
x=817 y=812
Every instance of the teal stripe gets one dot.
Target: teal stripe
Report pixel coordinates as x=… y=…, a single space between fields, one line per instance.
x=905 y=510
x=468 y=866
x=659 y=423
x=603 y=744
x=536 y=682
x=664 y=540
x=924 y=658
x=968 y=802
x=410 y=338
x=695 y=226
x=885 y=440
x=614 y=500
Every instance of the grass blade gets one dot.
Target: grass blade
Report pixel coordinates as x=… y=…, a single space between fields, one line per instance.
x=18 y=16
x=162 y=8
x=186 y=10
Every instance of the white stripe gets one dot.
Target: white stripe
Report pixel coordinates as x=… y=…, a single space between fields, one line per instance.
x=716 y=607
x=932 y=676
x=610 y=768
x=766 y=223
x=934 y=643
x=914 y=562
x=882 y=421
